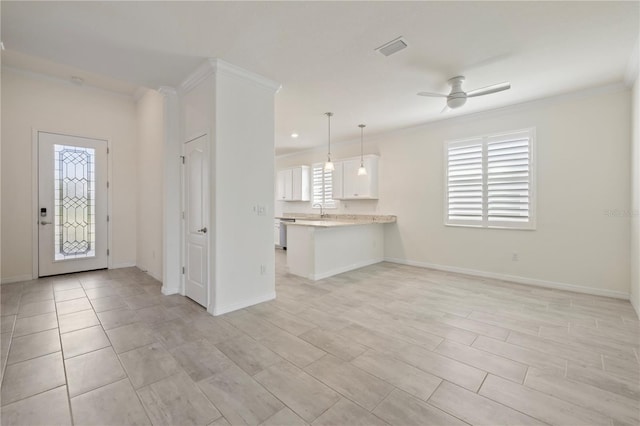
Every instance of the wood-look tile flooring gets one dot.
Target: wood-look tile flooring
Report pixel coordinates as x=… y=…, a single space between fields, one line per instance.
x=386 y=344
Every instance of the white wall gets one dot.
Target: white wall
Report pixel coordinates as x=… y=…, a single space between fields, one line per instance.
x=171 y=183
x=31 y=102
x=150 y=115
x=635 y=197
x=244 y=168
x=582 y=171
x=236 y=108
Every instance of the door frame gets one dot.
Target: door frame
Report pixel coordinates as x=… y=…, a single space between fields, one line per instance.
x=35 y=218
x=183 y=209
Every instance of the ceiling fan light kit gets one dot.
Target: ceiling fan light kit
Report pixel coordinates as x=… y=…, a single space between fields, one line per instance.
x=458 y=97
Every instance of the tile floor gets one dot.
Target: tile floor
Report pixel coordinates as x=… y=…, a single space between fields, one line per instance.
x=386 y=344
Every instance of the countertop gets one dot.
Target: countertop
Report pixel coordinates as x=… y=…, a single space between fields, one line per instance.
x=333 y=221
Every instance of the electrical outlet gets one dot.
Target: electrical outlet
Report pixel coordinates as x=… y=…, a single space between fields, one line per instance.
x=261 y=210
x=515 y=257
x=263 y=269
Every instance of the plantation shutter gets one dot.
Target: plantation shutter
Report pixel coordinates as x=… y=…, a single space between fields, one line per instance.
x=489 y=181
x=322 y=187
x=464 y=183
x=508 y=179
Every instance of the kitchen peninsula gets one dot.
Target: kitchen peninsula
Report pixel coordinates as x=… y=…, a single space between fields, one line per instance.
x=320 y=247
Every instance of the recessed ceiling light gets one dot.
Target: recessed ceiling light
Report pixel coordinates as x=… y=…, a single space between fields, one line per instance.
x=294 y=135
x=393 y=46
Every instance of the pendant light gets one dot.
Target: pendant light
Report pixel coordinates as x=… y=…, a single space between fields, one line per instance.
x=362 y=171
x=328 y=166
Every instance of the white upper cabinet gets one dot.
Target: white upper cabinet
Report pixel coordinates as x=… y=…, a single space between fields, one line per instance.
x=293 y=184
x=347 y=185
x=284 y=185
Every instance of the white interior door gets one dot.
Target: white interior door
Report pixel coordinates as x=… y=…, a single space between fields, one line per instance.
x=196 y=219
x=72 y=204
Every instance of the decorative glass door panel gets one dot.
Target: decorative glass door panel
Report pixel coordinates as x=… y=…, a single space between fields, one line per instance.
x=72 y=211
x=75 y=202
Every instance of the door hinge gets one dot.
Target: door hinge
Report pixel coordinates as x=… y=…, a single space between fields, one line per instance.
x=183 y=270
x=107 y=150
x=107 y=184
x=107 y=218
x=182 y=215
x=107 y=252
x=182 y=158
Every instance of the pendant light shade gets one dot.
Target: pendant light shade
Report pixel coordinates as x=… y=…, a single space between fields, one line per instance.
x=362 y=171
x=328 y=166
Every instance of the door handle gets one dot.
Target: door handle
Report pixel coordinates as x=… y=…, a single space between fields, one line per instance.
x=42 y=222
x=203 y=230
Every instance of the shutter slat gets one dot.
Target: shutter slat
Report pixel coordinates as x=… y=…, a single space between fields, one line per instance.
x=464 y=183
x=500 y=182
x=508 y=180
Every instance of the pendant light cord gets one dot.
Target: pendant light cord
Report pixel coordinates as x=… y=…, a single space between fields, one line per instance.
x=362 y=126
x=329 y=114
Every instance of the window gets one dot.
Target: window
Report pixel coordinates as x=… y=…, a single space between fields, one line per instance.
x=490 y=181
x=322 y=187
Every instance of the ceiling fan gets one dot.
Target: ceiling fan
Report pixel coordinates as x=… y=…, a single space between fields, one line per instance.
x=458 y=97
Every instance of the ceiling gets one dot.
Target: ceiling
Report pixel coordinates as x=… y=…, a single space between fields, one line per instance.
x=323 y=52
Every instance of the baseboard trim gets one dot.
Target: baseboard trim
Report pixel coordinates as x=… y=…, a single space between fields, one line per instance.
x=219 y=310
x=635 y=307
x=17 y=279
x=514 y=278
x=167 y=291
x=347 y=268
x=123 y=265
x=151 y=274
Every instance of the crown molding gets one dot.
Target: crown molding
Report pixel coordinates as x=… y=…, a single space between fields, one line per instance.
x=66 y=82
x=223 y=66
x=203 y=71
x=139 y=93
x=213 y=65
x=167 y=91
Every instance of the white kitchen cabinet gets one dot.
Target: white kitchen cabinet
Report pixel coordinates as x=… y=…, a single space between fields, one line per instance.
x=347 y=185
x=285 y=185
x=276 y=231
x=293 y=184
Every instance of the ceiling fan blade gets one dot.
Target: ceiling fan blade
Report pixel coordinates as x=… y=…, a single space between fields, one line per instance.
x=445 y=109
x=433 y=95
x=489 y=89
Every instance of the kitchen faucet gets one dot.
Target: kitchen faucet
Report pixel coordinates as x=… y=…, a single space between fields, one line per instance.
x=321 y=210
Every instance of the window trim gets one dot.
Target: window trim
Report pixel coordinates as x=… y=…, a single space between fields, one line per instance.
x=531 y=225
x=334 y=202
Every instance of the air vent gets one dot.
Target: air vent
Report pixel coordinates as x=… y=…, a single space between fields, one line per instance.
x=392 y=47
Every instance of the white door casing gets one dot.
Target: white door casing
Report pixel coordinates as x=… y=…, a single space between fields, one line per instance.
x=72 y=204
x=196 y=193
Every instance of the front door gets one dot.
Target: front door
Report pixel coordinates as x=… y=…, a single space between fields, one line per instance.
x=72 y=204
x=196 y=219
